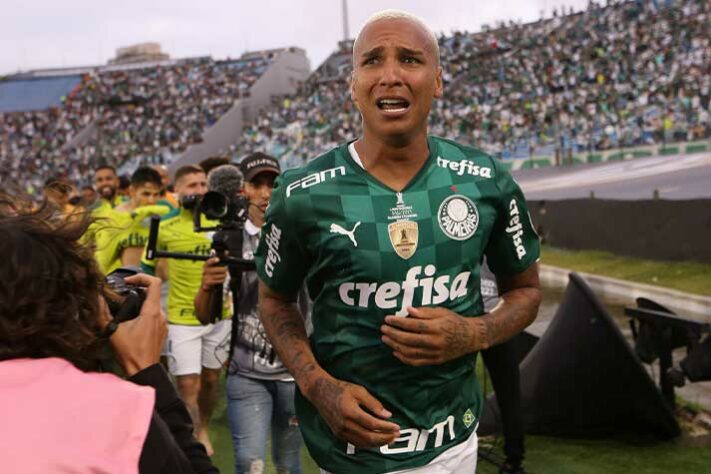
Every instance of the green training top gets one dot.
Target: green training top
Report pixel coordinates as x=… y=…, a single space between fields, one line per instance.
x=119 y=230
x=367 y=251
x=176 y=234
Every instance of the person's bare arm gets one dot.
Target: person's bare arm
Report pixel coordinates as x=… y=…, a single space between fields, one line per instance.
x=351 y=413
x=131 y=256
x=437 y=335
x=161 y=270
x=212 y=274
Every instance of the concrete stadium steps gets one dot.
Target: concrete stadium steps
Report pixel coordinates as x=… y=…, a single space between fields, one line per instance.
x=281 y=77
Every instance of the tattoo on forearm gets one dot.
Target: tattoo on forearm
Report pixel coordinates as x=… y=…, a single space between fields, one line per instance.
x=329 y=393
x=509 y=319
x=458 y=336
x=285 y=328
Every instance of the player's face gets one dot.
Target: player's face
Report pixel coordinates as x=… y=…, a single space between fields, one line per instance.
x=106 y=183
x=259 y=190
x=145 y=194
x=395 y=78
x=191 y=184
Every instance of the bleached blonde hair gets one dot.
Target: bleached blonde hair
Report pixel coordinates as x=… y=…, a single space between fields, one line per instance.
x=392 y=14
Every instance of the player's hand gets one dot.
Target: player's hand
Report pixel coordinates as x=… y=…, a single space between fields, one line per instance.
x=213 y=273
x=431 y=336
x=352 y=413
x=138 y=342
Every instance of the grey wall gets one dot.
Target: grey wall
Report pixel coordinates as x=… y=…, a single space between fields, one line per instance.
x=650 y=229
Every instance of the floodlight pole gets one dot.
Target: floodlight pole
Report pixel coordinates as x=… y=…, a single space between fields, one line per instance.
x=344 y=16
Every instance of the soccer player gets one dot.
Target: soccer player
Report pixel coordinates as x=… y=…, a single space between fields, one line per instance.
x=106 y=183
x=123 y=232
x=194 y=352
x=389 y=231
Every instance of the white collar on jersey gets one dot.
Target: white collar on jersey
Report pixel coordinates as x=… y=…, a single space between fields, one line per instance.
x=251 y=228
x=354 y=154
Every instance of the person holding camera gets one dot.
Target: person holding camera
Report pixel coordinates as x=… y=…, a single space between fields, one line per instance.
x=260 y=391
x=58 y=413
x=193 y=351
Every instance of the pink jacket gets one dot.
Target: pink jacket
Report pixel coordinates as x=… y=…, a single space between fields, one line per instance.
x=56 y=418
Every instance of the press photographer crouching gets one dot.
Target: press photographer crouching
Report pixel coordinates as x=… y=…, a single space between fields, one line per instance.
x=58 y=413
x=260 y=391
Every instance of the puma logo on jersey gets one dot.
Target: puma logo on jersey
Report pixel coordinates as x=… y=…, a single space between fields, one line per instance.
x=464 y=166
x=314 y=179
x=515 y=229
x=435 y=290
x=337 y=229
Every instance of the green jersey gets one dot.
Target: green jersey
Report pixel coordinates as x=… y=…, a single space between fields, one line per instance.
x=177 y=235
x=367 y=251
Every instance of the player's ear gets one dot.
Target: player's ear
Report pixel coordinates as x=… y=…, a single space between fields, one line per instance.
x=352 y=81
x=439 y=84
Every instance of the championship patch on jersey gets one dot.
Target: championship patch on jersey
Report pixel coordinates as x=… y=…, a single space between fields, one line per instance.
x=458 y=217
x=404 y=236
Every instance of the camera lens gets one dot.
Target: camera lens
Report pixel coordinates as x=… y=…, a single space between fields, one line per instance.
x=214 y=205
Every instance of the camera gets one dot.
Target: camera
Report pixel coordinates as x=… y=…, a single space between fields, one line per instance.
x=124 y=300
x=216 y=206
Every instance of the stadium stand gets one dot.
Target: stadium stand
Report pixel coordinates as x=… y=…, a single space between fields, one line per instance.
x=35 y=93
x=613 y=76
x=621 y=75
x=114 y=114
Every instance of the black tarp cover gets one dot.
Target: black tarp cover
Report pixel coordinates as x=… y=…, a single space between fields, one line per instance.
x=582 y=378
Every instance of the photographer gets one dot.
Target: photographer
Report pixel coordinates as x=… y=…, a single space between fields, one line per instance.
x=260 y=391
x=57 y=412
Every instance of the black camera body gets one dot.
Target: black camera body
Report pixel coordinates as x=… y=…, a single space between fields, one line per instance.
x=216 y=206
x=130 y=297
x=231 y=213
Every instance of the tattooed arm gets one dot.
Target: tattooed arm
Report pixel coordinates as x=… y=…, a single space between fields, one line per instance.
x=437 y=335
x=352 y=413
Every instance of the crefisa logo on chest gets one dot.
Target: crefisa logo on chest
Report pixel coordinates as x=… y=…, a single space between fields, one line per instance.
x=458 y=217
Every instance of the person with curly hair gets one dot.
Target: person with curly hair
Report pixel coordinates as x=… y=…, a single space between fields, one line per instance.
x=58 y=412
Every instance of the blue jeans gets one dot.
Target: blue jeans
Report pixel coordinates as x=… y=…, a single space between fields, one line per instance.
x=253 y=406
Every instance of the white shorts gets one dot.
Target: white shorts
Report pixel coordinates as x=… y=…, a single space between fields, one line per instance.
x=461 y=459
x=190 y=348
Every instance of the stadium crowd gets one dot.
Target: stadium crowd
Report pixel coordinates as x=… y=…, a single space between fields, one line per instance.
x=617 y=75
x=113 y=116
x=620 y=75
